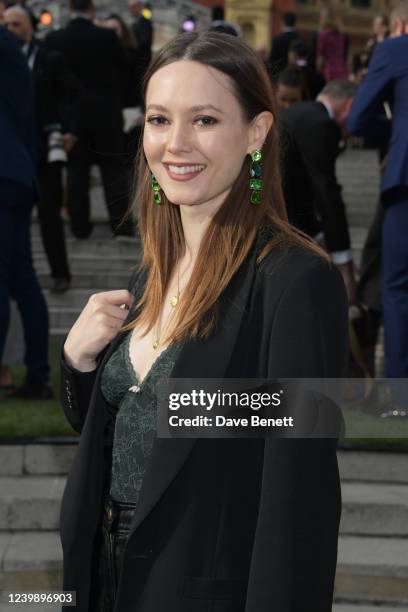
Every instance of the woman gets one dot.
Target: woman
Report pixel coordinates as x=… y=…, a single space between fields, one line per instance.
x=331 y=49
x=227 y=289
x=131 y=73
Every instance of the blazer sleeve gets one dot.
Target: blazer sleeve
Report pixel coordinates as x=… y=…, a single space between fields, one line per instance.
x=319 y=150
x=295 y=547
x=76 y=387
x=367 y=117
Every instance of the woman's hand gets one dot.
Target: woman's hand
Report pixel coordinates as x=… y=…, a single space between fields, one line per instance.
x=95 y=328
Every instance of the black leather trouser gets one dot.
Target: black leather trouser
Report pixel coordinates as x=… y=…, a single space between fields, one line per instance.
x=109 y=551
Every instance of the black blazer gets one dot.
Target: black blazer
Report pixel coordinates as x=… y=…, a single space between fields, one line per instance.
x=278 y=57
x=310 y=150
x=240 y=524
x=95 y=57
x=56 y=90
x=18 y=182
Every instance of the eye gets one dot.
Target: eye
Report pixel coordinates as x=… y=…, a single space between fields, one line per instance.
x=156 y=120
x=206 y=121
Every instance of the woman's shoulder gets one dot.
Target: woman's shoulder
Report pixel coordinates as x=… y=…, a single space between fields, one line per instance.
x=299 y=269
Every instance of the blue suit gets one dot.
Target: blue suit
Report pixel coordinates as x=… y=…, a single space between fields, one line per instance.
x=387 y=81
x=18 y=192
x=17 y=161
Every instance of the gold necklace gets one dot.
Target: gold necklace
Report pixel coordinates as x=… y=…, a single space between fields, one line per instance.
x=174 y=300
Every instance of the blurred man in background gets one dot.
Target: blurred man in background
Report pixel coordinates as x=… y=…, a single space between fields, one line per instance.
x=278 y=58
x=18 y=193
x=142 y=29
x=313 y=132
x=54 y=90
x=95 y=56
x=387 y=81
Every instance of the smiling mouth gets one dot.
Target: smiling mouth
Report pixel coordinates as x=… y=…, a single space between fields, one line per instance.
x=186 y=170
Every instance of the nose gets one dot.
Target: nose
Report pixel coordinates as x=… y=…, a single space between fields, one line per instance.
x=179 y=138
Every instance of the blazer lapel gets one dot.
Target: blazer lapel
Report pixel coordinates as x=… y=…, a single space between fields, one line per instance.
x=208 y=358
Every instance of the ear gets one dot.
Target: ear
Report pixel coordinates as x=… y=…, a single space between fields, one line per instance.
x=260 y=126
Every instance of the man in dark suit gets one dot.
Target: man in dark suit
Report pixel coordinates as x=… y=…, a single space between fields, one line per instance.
x=143 y=30
x=278 y=58
x=95 y=57
x=387 y=81
x=311 y=136
x=18 y=193
x=298 y=57
x=54 y=90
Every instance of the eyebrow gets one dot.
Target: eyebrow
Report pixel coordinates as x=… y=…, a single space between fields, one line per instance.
x=195 y=109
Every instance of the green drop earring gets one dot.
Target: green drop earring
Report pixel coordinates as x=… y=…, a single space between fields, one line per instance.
x=156 y=190
x=256 y=182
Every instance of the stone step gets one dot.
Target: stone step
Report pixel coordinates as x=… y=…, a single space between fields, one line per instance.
x=103 y=280
x=369 y=570
x=372 y=570
x=357 y=466
x=30 y=502
x=36 y=459
x=353 y=607
x=30 y=561
x=74 y=298
x=63 y=317
x=99 y=246
x=93 y=262
x=374 y=509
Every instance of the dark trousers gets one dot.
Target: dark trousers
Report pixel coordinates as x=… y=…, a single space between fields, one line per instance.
x=395 y=287
x=18 y=281
x=51 y=224
x=108 y=555
x=106 y=149
x=369 y=284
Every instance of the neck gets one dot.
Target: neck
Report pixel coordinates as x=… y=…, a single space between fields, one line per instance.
x=195 y=221
x=327 y=103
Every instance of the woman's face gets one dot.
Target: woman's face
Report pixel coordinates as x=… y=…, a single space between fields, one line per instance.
x=195 y=137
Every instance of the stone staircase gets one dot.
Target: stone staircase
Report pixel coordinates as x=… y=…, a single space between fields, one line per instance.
x=372 y=573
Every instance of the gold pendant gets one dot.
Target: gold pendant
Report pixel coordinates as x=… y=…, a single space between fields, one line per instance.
x=156 y=343
x=174 y=301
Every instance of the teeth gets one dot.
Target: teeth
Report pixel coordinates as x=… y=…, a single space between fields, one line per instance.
x=186 y=169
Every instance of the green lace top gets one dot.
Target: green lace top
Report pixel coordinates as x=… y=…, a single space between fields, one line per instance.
x=135 y=426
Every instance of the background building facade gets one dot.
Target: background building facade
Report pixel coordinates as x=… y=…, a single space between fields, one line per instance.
x=260 y=19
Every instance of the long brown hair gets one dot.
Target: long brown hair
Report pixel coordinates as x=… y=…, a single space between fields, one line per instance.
x=232 y=231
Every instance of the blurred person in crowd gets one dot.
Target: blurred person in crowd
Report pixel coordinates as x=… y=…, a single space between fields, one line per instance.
x=3 y=6
x=134 y=67
x=96 y=58
x=13 y=353
x=226 y=27
x=289 y=88
x=381 y=31
x=142 y=29
x=54 y=92
x=131 y=77
x=278 y=57
x=18 y=193
x=299 y=57
x=387 y=82
x=313 y=132
x=331 y=48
